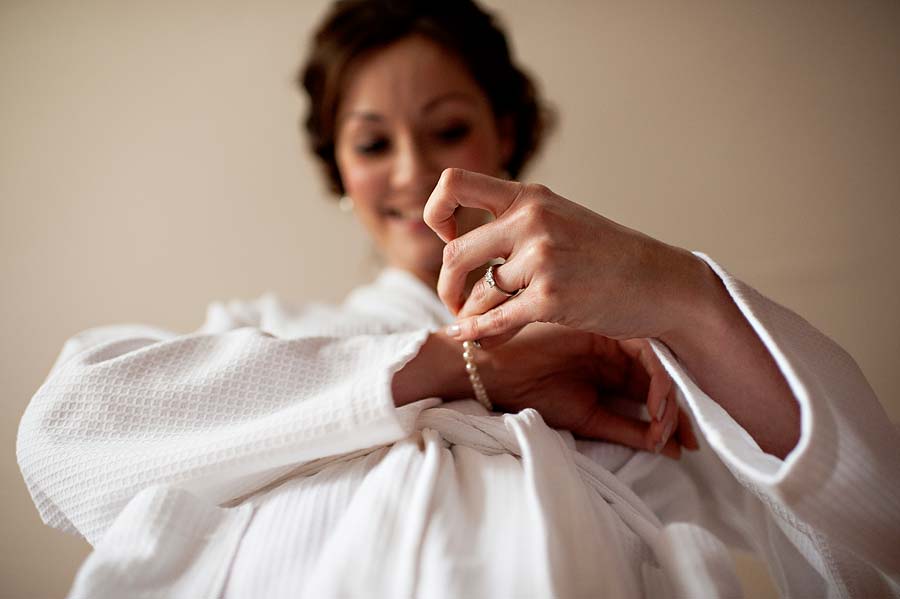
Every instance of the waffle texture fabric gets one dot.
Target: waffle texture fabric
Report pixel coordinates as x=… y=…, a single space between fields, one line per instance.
x=262 y=456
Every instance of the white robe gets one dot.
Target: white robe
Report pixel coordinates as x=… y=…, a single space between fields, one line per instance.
x=262 y=456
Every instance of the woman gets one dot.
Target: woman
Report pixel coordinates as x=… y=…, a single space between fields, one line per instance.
x=282 y=451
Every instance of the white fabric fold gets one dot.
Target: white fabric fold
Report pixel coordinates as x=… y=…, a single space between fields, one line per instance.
x=285 y=412
x=141 y=557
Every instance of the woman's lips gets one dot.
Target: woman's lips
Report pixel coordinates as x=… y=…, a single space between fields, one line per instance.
x=408 y=220
x=411 y=225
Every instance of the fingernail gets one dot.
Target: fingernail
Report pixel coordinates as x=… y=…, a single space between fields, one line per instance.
x=453 y=330
x=659 y=446
x=660 y=412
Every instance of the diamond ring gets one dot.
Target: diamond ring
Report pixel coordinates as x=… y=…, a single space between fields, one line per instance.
x=489 y=278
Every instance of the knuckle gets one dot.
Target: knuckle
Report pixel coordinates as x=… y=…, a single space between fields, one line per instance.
x=474 y=329
x=453 y=252
x=444 y=294
x=499 y=319
x=479 y=291
x=540 y=256
x=550 y=290
x=471 y=305
x=429 y=212
x=533 y=212
x=543 y=250
x=450 y=178
x=538 y=191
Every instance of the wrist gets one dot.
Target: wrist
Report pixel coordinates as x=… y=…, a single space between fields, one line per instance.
x=718 y=347
x=701 y=309
x=452 y=371
x=438 y=370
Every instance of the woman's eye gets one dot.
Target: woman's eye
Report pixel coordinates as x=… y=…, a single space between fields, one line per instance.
x=375 y=146
x=454 y=133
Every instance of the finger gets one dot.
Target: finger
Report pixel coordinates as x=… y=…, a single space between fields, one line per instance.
x=508 y=316
x=660 y=401
x=666 y=411
x=662 y=428
x=617 y=371
x=483 y=297
x=458 y=187
x=468 y=252
x=605 y=425
x=660 y=383
x=498 y=340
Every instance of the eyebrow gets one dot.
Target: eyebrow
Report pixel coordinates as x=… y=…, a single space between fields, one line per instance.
x=460 y=96
x=428 y=107
x=361 y=114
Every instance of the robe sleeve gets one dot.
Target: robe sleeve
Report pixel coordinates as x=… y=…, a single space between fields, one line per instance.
x=217 y=412
x=837 y=494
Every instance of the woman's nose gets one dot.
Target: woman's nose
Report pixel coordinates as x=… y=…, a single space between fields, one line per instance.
x=413 y=169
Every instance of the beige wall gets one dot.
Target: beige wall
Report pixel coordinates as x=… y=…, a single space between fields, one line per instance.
x=149 y=163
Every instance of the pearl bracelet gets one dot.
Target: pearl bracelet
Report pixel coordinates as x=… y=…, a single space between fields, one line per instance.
x=480 y=392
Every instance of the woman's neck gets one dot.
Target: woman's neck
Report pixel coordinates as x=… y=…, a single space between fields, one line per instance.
x=429 y=277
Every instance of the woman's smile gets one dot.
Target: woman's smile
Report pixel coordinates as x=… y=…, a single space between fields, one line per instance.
x=407 y=220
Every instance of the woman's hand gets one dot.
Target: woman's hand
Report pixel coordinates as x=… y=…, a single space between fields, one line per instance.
x=588 y=384
x=594 y=386
x=574 y=266
x=582 y=270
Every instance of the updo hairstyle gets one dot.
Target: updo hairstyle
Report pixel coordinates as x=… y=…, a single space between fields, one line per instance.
x=355 y=28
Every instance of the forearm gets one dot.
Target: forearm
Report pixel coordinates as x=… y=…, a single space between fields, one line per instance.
x=194 y=410
x=438 y=370
x=726 y=358
x=842 y=480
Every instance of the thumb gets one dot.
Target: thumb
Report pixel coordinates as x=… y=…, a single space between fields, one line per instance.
x=504 y=319
x=498 y=340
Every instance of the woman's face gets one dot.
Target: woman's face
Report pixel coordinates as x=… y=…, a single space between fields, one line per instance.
x=407 y=112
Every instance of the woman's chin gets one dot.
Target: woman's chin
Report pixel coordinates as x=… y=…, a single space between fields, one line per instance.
x=420 y=255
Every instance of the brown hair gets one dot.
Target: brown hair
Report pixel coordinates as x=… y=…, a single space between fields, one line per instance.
x=353 y=28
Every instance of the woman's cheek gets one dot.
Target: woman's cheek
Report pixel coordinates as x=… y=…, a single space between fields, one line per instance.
x=365 y=182
x=480 y=154
x=365 y=186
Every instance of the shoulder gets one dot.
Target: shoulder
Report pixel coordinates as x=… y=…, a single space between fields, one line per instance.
x=224 y=315
x=401 y=299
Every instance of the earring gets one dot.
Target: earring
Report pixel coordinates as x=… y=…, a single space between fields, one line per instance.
x=345 y=204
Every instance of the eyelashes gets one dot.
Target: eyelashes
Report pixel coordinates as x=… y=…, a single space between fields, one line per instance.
x=376 y=146
x=445 y=136
x=453 y=133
